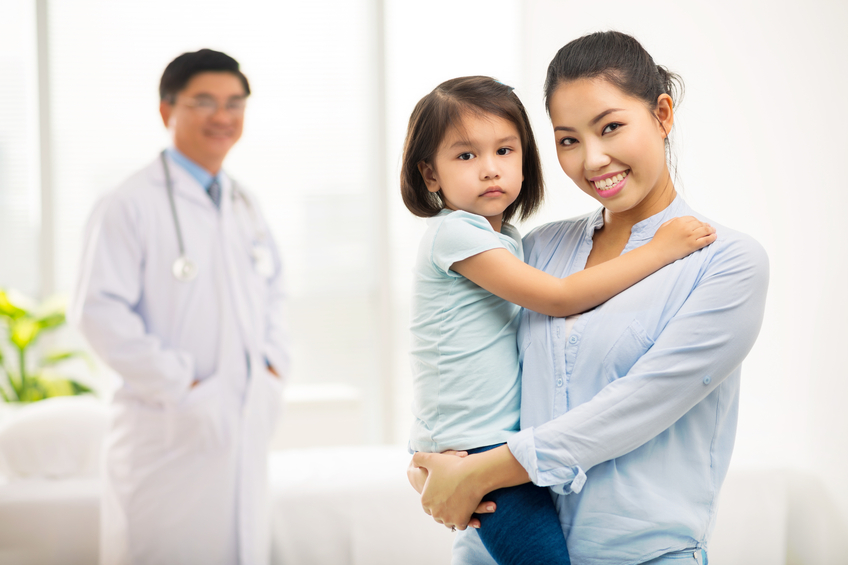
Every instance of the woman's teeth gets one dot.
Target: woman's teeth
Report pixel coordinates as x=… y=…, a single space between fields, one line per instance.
x=611 y=181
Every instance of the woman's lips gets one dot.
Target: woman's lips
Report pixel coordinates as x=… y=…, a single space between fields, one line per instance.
x=611 y=185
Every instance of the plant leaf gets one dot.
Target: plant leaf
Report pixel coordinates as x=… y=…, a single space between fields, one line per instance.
x=56 y=357
x=51 y=321
x=8 y=309
x=23 y=331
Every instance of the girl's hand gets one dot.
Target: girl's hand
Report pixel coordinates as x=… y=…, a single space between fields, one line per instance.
x=679 y=237
x=448 y=496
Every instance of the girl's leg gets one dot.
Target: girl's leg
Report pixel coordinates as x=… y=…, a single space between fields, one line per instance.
x=524 y=529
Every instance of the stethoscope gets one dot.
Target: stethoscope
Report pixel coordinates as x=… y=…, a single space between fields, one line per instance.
x=184 y=269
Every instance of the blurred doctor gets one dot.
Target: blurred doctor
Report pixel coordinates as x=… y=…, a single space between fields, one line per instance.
x=179 y=292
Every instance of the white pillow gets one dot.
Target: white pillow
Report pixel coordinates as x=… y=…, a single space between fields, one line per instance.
x=54 y=438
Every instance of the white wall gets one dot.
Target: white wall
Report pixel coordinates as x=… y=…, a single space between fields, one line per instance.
x=761 y=141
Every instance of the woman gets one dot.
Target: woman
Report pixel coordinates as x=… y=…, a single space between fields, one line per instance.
x=628 y=411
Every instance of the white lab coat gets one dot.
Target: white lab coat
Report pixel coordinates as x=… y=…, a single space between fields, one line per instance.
x=185 y=468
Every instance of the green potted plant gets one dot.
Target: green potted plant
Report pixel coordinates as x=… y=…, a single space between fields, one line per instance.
x=22 y=378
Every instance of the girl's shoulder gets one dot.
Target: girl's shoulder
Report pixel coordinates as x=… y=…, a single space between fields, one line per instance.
x=458 y=226
x=458 y=218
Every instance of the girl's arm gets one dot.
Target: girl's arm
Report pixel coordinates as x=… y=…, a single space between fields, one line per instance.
x=506 y=276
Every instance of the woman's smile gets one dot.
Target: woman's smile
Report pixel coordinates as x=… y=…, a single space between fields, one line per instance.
x=610 y=184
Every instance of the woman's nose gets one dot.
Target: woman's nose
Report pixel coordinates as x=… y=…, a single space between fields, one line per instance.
x=596 y=158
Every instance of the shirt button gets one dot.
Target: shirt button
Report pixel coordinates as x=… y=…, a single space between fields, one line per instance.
x=559 y=382
x=572 y=339
x=707 y=380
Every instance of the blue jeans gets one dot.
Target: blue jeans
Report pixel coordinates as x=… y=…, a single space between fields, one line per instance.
x=525 y=528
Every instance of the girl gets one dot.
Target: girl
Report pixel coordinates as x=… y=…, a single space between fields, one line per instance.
x=470 y=164
x=637 y=441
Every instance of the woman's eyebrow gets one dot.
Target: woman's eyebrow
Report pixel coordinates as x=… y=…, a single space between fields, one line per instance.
x=593 y=121
x=603 y=114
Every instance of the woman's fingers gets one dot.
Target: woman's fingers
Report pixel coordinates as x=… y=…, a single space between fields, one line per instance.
x=486 y=507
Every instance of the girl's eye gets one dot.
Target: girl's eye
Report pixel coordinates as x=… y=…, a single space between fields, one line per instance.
x=504 y=151
x=611 y=127
x=466 y=156
x=567 y=141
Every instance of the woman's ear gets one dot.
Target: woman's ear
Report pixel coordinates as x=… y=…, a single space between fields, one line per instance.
x=665 y=113
x=428 y=173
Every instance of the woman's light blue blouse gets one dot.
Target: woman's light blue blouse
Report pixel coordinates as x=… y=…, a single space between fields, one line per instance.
x=632 y=417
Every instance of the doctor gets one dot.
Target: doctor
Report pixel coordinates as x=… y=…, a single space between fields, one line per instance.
x=179 y=292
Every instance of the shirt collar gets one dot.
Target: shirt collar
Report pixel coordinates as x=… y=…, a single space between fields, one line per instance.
x=197 y=172
x=646 y=228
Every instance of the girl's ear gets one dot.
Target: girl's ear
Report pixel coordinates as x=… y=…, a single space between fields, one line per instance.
x=428 y=173
x=665 y=113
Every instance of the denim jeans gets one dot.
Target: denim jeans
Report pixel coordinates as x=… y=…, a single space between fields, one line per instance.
x=525 y=528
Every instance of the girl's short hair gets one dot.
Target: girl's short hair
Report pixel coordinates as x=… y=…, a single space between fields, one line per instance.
x=443 y=109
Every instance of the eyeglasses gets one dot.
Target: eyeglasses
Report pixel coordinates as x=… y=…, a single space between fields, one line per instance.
x=207 y=106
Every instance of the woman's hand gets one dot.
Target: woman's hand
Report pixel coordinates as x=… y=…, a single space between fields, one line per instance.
x=418 y=475
x=448 y=494
x=679 y=237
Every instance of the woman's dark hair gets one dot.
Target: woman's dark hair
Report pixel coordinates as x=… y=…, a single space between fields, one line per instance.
x=443 y=109
x=617 y=58
x=181 y=70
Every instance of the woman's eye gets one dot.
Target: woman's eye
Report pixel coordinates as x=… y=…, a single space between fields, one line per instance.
x=466 y=156
x=567 y=141
x=611 y=127
x=504 y=151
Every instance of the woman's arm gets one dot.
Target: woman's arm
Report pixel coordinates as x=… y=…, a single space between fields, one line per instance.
x=506 y=276
x=703 y=343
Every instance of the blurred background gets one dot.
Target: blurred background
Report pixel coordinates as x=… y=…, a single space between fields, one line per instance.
x=759 y=139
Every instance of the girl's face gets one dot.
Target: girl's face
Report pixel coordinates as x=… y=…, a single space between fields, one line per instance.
x=478 y=167
x=612 y=146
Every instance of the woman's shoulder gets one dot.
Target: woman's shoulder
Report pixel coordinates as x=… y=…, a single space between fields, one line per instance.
x=735 y=245
x=560 y=232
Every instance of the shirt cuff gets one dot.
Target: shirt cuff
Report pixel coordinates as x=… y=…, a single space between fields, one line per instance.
x=562 y=480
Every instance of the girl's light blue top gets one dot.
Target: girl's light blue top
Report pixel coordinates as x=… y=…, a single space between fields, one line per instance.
x=466 y=381
x=632 y=417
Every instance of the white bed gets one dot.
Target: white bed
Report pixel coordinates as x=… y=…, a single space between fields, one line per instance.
x=353 y=506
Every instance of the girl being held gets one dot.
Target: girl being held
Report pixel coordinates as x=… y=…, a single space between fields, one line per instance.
x=470 y=164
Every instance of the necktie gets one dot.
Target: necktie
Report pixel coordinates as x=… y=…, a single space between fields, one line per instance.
x=214 y=191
